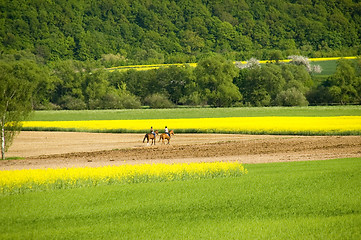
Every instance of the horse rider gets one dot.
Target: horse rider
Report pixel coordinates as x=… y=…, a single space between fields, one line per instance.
x=152 y=131
x=166 y=131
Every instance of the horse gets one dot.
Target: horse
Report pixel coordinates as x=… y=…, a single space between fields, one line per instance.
x=151 y=136
x=166 y=136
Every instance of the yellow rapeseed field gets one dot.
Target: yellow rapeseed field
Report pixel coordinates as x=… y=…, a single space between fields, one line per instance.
x=32 y=179
x=156 y=66
x=277 y=125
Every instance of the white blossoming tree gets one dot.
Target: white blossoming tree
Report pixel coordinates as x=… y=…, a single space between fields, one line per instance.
x=301 y=60
x=251 y=63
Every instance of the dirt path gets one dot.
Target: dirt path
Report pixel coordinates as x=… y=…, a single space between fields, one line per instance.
x=67 y=149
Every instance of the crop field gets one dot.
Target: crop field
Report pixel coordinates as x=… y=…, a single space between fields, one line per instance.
x=238 y=120
x=18 y=181
x=328 y=64
x=266 y=184
x=313 y=200
x=136 y=114
x=346 y=125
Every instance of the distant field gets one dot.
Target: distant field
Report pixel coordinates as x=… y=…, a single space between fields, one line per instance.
x=327 y=64
x=133 y=114
x=296 y=200
x=328 y=67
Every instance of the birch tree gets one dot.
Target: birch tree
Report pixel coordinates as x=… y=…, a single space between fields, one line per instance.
x=15 y=100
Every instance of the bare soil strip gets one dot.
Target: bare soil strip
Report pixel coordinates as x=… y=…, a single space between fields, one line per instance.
x=68 y=149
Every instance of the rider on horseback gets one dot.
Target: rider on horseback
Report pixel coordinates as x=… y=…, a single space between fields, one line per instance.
x=152 y=131
x=166 y=131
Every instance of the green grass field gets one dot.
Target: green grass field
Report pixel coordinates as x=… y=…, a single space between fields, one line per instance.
x=328 y=67
x=72 y=115
x=299 y=200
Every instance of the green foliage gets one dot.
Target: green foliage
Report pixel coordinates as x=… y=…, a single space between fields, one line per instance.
x=273 y=84
x=173 y=82
x=193 y=99
x=68 y=102
x=291 y=97
x=314 y=199
x=127 y=32
x=214 y=78
x=342 y=87
x=158 y=101
x=17 y=81
x=76 y=85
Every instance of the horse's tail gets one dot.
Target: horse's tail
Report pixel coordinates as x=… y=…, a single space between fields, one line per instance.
x=145 y=137
x=160 y=137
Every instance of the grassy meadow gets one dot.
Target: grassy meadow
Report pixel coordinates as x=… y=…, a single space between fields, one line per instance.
x=295 y=200
x=328 y=67
x=174 y=113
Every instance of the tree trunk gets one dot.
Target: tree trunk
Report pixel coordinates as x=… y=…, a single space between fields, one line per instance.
x=3 y=138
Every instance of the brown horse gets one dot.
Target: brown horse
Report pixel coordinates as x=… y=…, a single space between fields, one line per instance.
x=164 y=136
x=151 y=136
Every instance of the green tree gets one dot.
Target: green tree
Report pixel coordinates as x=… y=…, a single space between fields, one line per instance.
x=214 y=76
x=15 y=100
x=343 y=85
x=276 y=55
x=260 y=84
x=95 y=88
x=69 y=86
x=173 y=81
x=273 y=84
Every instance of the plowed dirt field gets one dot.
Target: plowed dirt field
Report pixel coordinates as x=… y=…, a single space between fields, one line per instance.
x=69 y=149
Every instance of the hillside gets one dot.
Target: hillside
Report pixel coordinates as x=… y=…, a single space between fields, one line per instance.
x=144 y=32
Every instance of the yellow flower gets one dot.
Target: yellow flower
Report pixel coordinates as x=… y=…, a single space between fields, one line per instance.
x=233 y=124
x=22 y=180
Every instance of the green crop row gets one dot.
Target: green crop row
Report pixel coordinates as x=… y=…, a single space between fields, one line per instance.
x=133 y=114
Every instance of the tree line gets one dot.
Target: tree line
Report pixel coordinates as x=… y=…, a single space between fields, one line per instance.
x=126 y=32
x=217 y=82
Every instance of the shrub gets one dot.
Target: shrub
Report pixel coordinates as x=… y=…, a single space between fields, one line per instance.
x=193 y=99
x=291 y=97
x=111 y=101
x=46 y=106
x=158 y=101
x=71 y=103
x=130 y=102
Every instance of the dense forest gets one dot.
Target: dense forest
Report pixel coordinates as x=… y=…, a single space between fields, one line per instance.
x=63 y=47
x=158 y=31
